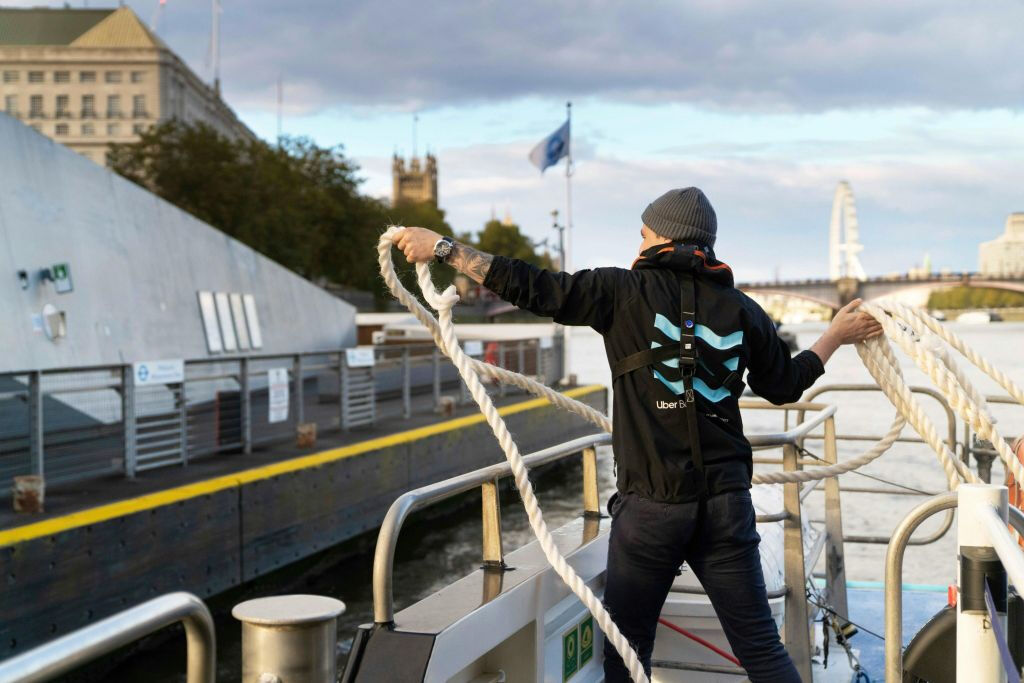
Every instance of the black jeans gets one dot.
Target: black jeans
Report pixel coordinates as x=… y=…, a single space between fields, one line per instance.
x=717 y=538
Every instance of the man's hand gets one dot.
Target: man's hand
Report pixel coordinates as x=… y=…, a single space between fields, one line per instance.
x=850 y=327
x=416 y=243
x=847 y=327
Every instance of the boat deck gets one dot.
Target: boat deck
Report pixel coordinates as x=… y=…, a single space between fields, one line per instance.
x=867 y=611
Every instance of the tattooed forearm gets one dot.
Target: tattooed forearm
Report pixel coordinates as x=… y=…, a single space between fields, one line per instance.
x=471 y=262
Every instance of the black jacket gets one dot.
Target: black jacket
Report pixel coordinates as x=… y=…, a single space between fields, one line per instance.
x=638 y=309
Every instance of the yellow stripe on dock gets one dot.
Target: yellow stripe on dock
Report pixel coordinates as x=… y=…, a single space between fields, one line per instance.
x=102 y=513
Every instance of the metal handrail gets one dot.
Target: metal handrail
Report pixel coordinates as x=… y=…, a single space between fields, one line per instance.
x=797 y=433
x=894 y=579
x=947 y=522
x=404 y=505
x=894 y=569
x=927 y=391
x=1005 y=545
x=79 y=647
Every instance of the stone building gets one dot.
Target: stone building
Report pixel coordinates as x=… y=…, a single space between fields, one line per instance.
x=90 y=77
x=1005 y=254
x=415 y=182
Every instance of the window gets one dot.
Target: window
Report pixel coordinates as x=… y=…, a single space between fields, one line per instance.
x=139 y=106
x=10 y=77
x=35 y=76
x=139 y=128
x=35 y=107
x=113 y=129
x=112 y=77
x=113 y=106
x=138 y=76
x=88 y=129
x=61 y=129
x=87 y=77
x=61 y=76
x=63 y=107
x=11 y=105
x=88 y=106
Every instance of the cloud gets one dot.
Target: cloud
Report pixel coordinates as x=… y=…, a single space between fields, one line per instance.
x=772 y=212
x=800 y=55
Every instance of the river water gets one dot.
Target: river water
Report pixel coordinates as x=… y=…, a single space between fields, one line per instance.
x=432 y=553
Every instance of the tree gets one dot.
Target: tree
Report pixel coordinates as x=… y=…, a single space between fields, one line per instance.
x=295 y=202
x=505 y=239
x=974 y=297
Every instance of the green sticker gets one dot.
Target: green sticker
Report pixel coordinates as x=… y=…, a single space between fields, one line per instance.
x=570 y=653
x=586 y=640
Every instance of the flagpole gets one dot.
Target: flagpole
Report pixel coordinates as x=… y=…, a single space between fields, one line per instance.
x=567 y=264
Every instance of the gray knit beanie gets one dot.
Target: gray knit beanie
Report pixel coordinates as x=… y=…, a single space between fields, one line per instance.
x=683 y=215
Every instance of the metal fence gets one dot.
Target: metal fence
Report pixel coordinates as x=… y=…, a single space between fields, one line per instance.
x=84 y=423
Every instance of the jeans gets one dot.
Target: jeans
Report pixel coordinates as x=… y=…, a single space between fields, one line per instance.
x=717 y=538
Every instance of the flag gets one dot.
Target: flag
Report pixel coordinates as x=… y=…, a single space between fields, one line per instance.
x=552 y=148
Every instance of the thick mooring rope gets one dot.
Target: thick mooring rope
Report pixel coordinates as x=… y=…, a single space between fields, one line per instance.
x=916 y=333
x=449 y=344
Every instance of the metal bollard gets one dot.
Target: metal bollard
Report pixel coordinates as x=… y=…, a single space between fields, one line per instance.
x=289 y=639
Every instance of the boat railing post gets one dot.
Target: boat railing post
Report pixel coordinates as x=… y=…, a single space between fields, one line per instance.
x=300 y=411
x=977 y=649
x=538 y=370
x=494 y=558
x=35 y=422
x=343 y=390
x=182 y=418
x=521 y=357
x=797 y=627
x=502 y=363
x=244 y=387
x=128 y=419
x=435 y=361
x=894 y=579
x=290 y=638
x=591 y=501
x=406 y=384
x=835 y=556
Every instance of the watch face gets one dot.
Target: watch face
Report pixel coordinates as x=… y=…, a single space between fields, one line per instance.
x=442 y=249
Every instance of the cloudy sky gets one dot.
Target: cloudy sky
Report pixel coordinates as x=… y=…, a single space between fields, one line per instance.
x=766 y=106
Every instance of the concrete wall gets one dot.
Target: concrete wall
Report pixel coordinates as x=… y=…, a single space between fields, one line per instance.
x=137 y=263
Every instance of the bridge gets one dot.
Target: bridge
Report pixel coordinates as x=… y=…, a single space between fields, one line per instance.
x=836 y=293
x=847 y=279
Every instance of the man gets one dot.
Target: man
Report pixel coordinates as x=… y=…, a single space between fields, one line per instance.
x=678 y=336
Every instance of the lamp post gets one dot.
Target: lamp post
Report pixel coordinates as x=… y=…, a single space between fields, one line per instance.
x=561 y=266
x=561 y=239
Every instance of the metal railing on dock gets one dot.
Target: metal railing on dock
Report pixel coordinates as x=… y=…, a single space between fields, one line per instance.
x=81 y=423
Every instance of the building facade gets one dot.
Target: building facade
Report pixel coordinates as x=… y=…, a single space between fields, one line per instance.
x=89 y=77
x=1005 y=254
x=414 y=182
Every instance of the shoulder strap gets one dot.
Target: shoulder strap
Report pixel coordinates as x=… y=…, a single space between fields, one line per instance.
x=635 y=361
x=687 y=366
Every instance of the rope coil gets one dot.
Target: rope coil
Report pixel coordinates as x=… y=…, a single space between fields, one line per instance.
x=916 y=333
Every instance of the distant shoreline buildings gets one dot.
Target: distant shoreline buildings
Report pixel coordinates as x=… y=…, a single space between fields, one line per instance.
x=91 y=77
x=1004 y=255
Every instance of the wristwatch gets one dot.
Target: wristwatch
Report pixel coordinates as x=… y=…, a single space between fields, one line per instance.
x=443 y=249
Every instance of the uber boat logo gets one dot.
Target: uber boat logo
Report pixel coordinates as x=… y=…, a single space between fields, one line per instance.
x=577 y=647
x=662 y=324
